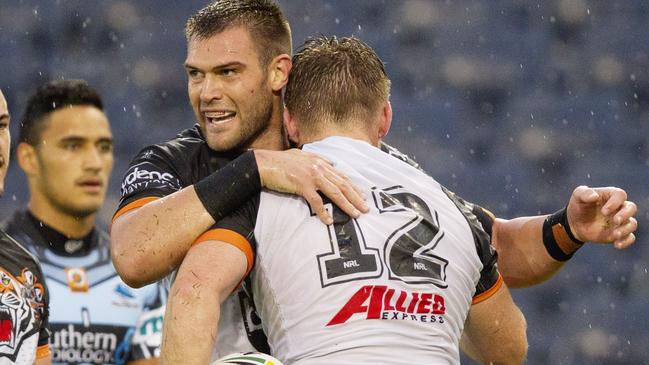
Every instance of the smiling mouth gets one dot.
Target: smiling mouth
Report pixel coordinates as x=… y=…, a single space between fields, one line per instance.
x=219 y=117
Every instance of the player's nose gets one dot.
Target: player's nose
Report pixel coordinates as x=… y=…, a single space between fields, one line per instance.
x=212 y=89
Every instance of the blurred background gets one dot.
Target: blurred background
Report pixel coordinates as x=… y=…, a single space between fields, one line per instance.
x=509 y=103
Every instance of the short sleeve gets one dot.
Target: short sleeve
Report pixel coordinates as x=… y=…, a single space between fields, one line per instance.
x=237 y=229
x=150 y=176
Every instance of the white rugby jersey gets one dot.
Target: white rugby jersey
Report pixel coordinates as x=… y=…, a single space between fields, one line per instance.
x=391 y=287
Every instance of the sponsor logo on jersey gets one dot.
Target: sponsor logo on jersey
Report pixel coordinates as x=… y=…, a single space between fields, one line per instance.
x=148 y=334
x=124 y=297
x=382 y=302
x=21 y=302
x=91 y=344
x=77 y=279
x=141 y=178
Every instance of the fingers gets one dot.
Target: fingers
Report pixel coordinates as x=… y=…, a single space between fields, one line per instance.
x=584 y=194
x=352 y=201
x=306 y=173
x=614 y=199
x=337 y=187
x=317 y=205
x=626 y=242
x=359 y=204
x=628 y=210
x=624 y=235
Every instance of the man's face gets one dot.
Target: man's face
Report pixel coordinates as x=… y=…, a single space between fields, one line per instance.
x=75 y=159
x=228 y=89
x=5 y=141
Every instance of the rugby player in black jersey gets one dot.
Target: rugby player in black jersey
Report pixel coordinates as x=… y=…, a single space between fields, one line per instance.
x=65 y=150
x=24 y=300
x=238 y=60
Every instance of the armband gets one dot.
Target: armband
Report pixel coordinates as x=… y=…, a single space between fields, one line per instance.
x=225 y=190
x=558 y=238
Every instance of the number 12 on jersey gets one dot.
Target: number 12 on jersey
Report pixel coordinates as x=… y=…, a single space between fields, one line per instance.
x=408 y=250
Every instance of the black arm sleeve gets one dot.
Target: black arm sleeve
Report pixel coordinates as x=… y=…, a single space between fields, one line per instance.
x=242 y=221
x=226 y=189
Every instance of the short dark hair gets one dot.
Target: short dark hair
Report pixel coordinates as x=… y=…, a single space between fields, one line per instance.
x=50 y=97
x=263 y=18
x=335 y=79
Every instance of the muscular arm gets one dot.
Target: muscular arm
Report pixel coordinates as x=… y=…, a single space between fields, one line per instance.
x=209 y=273
x=495 y=331
x=601 y=215
x=149 y=242
x=522 y=258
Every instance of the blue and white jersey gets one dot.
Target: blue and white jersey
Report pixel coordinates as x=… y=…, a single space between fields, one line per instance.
x=93 y=314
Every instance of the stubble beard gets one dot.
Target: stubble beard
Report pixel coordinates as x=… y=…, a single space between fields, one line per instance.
x=250 y=129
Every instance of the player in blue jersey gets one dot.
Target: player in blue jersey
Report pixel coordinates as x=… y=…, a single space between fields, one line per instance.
x=24 y=300
x=66 y=152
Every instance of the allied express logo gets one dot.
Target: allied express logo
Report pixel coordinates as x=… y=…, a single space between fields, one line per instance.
x=381 y=302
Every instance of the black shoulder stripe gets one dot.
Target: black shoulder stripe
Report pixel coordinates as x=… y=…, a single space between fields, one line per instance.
x=484 y=218
x=482 y=240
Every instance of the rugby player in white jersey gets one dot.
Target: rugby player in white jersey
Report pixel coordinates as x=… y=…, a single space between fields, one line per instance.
x=398 y=285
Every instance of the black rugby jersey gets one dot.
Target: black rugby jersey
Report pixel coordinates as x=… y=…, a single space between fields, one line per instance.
x=24 y=305
x=161 y=169
x=93 y=313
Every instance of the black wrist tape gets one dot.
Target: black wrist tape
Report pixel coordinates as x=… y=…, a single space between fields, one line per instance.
x=230 y=187
x=558 y=238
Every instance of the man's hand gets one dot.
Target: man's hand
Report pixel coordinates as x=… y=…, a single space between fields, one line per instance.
x=602 y=215
x=304 y=173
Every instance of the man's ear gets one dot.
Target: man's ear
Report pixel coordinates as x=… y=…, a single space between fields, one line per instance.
x=385 y=120
x=291 y=127
x=278 y=71
x=27 y=159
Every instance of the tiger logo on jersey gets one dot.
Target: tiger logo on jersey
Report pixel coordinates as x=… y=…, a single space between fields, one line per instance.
x=20 y=301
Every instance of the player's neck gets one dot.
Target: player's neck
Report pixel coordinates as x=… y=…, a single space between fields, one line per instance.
x=358 y=134
x=270 y=139
x=66 y=224
x=273 y=138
